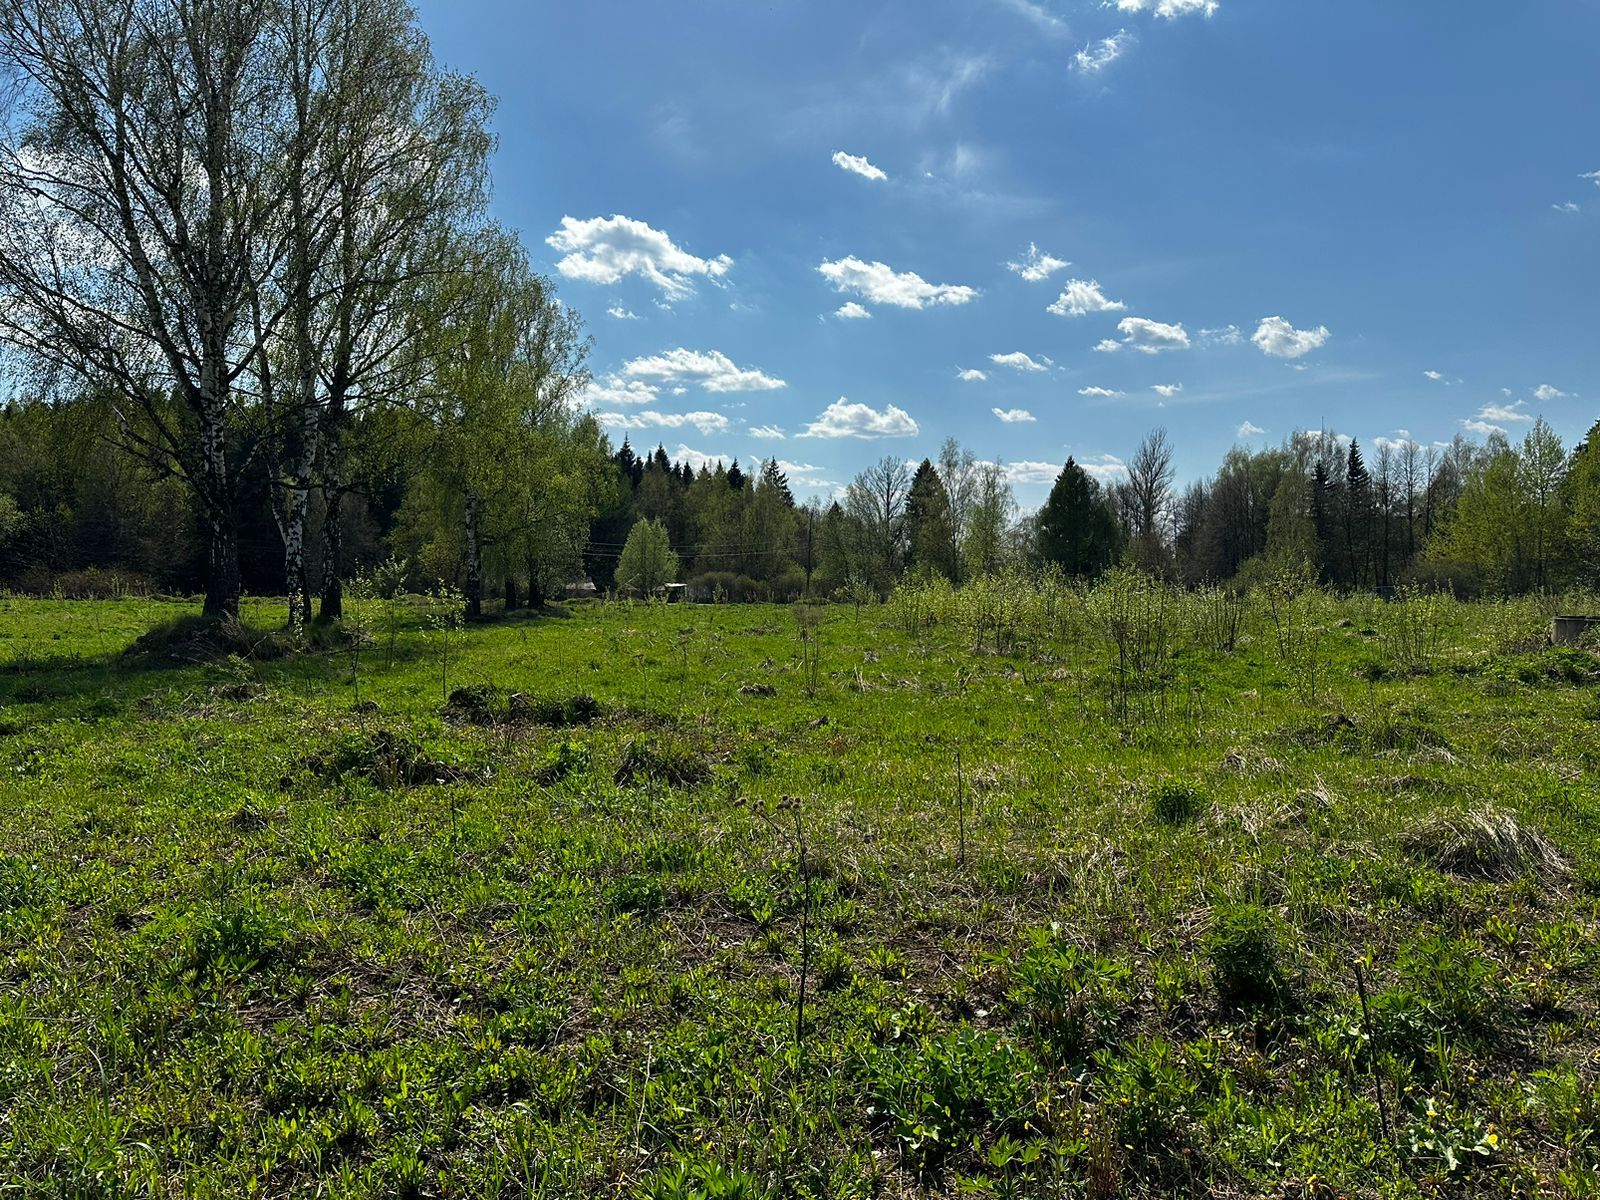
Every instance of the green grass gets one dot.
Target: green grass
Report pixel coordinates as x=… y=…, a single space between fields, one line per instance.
x=1057 y=937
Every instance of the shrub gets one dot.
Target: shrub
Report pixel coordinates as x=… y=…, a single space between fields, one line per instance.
x=1243 y=946
x=1485 y=843
x=1072 y=998
x=569 y=758
x=1175 y=803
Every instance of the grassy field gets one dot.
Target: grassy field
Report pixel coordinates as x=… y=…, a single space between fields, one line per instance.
x=920 y=899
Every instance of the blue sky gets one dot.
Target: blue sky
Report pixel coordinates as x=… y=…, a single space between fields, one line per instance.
x=1293 y=210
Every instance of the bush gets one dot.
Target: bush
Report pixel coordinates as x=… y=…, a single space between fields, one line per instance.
x=1243 y=945
x=727 y=587
x=1072 y=998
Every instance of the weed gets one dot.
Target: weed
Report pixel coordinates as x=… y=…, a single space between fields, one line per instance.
x=1244 y=945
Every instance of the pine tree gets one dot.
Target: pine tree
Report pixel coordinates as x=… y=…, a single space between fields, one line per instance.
x=1077 y=531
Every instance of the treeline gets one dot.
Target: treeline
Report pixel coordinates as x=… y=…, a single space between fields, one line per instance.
x=1497 y=518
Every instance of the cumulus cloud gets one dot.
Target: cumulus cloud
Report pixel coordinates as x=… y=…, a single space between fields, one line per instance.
x=1279 y=339
x=1107 y=346
x=613 y=390
x=857 y=165
x=620 y=313
x=842 y=419
x=711 y=369
x=1250 y=429
x=1104 y=467
x=1546 y=393
x=770 y=433
x=1151 y=337
x=604 y=249
x=1097 y=56
x=696 y=459
x=1036 y=266
x=1032 y=472
x=1014 y=416
x=1402 y=442
x=972 y=375
x=1504 y=412
x=1101 y=393
x=1436 y=376
x=1475 y=425
x=880 y=284
x=1169 y=8
x=1168 y=390
x=1019 y=361
x=705 y=422
x=853 y=312
x=1081 y=297
x=806 y=475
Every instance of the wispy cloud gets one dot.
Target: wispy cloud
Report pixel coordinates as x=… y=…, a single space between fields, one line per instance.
x=1167 y=8
x=1014 y=416
x=1097 y=56
x=1101 y=393
x=1250 y=429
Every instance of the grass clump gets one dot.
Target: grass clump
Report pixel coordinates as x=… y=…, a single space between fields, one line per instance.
x=646 y=759
x=1244 y=946
x=1174 y=803
x=384 y=758
x=1485 y=843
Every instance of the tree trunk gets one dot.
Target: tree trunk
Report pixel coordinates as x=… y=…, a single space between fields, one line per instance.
x=511 y=594
x=474 y=588
x=332 y=528
x=222 y=532
x=535 y=591
x=297 y=580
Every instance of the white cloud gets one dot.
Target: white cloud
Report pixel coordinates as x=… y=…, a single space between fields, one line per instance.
x=1436 y=376
x=696 y=459
x=972 y=375
x=1546 y=393
x=881 y=284
x=705 y=422
x=711 y=369
x=805 y=475
x=1032 y=472
x=842 y=419
x=1168 y=390
x=1228 y=335
x=1568 y=207
x=1014 y=416
x=1107 y=346
x=1101 y=393
x=1152 y=337
x=769 y=433
x=1097 y=56
x=1019 y=361
x=604 y=249
x=1250 y=429
x=857 y=165
x=1104 y=467
x=1083 y=296
x=615 y=390
x=1592 y=176
x=1504 y=412
x=853 y=312
x=620 y=313
x=1394 y=444
x=1479 y=426
x=1276 y=337
x=1036 y=266
x=1167 y=8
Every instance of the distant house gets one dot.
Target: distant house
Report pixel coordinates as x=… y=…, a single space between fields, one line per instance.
x=580 y=589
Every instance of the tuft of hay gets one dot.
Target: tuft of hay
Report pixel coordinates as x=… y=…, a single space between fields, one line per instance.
x=1486 y=843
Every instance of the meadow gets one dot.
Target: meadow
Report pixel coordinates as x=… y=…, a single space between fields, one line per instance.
x=1017 y=891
